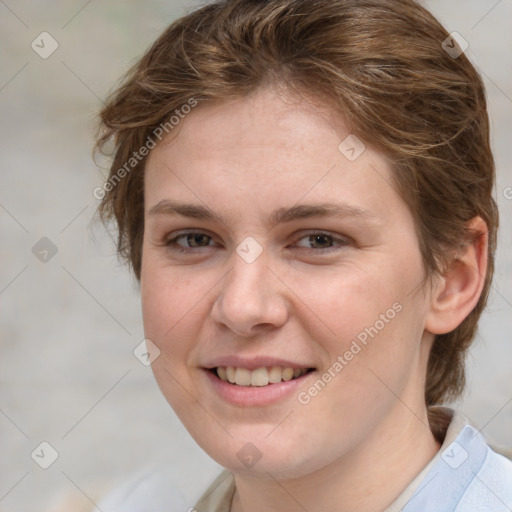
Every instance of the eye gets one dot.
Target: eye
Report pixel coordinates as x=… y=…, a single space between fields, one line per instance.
x=321 y=240
x=190 y=240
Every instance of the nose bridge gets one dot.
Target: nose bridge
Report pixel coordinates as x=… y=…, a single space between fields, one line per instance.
x=249 y=297
x=248 y=279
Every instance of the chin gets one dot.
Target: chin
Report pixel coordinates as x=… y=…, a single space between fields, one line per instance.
x=283 y=457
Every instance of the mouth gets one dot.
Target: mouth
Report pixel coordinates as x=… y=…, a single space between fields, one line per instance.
x=259 y=377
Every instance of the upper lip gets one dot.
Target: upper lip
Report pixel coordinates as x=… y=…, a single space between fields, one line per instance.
x=251 y=363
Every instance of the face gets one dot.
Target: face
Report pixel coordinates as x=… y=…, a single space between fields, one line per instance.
x=281 y=281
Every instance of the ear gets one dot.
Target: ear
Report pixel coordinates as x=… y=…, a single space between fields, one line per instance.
x=459 y=288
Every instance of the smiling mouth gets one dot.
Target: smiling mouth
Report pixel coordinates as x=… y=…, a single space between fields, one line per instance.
x=258 y=377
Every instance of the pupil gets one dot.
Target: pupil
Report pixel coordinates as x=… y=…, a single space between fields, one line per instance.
x=320 y=240
x=197 y=239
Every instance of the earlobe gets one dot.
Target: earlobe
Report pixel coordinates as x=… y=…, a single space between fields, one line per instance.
x=460 y=286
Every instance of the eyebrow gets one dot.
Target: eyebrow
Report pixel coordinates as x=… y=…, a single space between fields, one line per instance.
x=278 y=216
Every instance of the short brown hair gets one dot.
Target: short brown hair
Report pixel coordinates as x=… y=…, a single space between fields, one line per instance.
x=383 y=63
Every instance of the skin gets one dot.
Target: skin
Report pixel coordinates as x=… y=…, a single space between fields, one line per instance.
x=359 y=442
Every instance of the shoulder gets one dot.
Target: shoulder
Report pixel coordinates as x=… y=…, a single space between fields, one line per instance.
x=148 y=491
x=481 y=477
x=491 y=486
x=467 y=476
x=165 y=486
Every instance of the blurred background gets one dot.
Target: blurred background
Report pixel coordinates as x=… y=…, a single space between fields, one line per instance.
x=70 y=313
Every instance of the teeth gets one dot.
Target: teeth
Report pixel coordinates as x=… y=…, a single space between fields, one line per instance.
x=274 y=375
x=287 y=374
x=222 y=373
x=258 y=377
x=242 y=377
x=230 y=373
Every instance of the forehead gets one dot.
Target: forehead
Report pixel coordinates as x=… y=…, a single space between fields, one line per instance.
x=268 y=148
x=267 y=118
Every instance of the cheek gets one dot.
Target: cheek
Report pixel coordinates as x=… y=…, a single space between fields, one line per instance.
x=171 y=310
x=345 y=301
x=379 y=323
x=168 y=299
x=368 y=317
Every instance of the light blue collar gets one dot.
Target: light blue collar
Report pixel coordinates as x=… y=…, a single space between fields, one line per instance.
x=447 y=481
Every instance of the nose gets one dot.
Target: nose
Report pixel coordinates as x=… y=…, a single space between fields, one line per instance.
x=252 y=300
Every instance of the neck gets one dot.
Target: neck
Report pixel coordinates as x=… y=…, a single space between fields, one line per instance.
x=367 y=479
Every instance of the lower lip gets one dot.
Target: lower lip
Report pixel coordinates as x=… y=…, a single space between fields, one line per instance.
x=253 y=396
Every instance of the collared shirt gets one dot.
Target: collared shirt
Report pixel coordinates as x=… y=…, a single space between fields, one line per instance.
x=465 y=475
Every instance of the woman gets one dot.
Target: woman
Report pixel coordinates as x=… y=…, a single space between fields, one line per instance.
x=304 y=191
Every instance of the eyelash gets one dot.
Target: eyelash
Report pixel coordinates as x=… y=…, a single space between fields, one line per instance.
x=342 y=242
